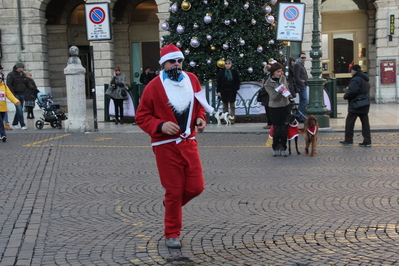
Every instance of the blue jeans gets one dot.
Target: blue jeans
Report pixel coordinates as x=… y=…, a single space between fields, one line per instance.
x=19 y=115
x=303 y=102
x=2 y=130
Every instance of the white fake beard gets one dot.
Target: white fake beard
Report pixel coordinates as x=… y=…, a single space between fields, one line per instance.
x=179 y=94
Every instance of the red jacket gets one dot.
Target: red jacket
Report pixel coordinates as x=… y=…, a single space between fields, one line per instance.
x=154 y=109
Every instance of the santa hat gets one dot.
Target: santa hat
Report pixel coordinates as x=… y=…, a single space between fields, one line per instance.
x=170 y=51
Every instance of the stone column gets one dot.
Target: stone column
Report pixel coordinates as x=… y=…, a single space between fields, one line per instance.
x=76 y=98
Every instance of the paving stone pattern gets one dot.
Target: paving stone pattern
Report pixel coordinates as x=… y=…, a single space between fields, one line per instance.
x=95 y=199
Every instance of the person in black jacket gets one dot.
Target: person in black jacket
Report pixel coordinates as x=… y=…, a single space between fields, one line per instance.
x=146 y=76
x=358 y=89
x=264 y=96
x=228 y=83
x=30 y=96
x=18 y=84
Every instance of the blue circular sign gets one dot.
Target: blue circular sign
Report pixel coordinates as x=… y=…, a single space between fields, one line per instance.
x=97 y=15
x=291 y=13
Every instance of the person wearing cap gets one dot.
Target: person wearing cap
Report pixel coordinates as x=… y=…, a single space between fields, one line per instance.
x=18 y=84
x=5 y=93
x=358 y=88
x=228 y=83
x=170 y=112
x=301 y=80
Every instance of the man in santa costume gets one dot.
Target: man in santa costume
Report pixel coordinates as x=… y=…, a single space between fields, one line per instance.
x=170 y=111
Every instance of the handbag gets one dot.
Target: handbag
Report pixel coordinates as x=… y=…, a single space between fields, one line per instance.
x=361 y=102
x=123 y=93
x=259 y=98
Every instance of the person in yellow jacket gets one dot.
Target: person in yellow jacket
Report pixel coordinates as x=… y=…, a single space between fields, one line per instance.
x=5 y=92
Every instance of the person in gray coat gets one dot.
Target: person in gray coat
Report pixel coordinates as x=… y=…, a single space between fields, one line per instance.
x=301 y=80
x=358 y=89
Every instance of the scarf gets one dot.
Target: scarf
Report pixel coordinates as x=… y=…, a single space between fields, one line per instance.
x=228 y=75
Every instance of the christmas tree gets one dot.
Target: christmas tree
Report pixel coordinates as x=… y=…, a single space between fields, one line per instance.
x=211 y=31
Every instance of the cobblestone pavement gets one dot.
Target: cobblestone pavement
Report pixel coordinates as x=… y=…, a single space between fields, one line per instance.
x=95 y=199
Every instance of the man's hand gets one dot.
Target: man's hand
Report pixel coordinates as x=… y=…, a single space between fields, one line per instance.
x=170 y=128
x=201 y=124
x=18 y=104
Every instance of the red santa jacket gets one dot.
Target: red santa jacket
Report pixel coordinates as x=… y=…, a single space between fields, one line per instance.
x=154 y=108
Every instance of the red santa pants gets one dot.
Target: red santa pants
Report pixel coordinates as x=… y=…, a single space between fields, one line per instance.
x=180 y=171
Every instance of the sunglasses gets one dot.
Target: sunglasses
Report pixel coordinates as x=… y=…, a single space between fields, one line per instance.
x=172 y=61
x=303 y=57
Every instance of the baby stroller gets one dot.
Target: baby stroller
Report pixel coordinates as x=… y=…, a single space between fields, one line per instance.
x=51 y=112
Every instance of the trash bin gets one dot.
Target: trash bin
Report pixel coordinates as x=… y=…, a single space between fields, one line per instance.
x=331 y=88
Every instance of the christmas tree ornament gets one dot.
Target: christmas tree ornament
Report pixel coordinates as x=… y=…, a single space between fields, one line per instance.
x=264 y=63
x=213 y=48
x=165 y=26
x=246 y=5
x=227 y=22
x=226 y=46
x=161 y=39
x=267 y=9
x=271 y=41
x=226 y=3
x=209 y=61
x=235 y=20
x=180 y=29
x=194 y=42
x=273 y=25
x=187 y=52
x=193 y=64
x=285 y=43
x=272 y=61
x=273 y=2
x=269 y=19
x=280 y=52
x=178 y=44
x=220 y=63
x=185 y=5
x=250 y=69
x=241 y=55
x=195 y=26
x=205 y=2
x=253 y=21
x=208 y=18
x=174 y=8
x=208 y=37
x=242 y=42
x=259 y=49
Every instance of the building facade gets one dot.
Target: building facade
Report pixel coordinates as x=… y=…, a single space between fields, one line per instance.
x=39 y=34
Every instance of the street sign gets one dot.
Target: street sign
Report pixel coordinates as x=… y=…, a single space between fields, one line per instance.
x=290 y=23
x=98 y=22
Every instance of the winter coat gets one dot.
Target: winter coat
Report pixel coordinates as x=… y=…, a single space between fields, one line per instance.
x=228 y=89
x=116 y=92
x=17 y=82
x=276 y=98
x=5 y=92
x=32 y=91
x=358 y=86
x=300 y=74
x=263 y=93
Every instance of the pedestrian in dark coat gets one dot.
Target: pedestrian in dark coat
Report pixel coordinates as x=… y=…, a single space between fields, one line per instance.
x=358 y=88
x=228 y=83
x=264 y=96
x=30 y=95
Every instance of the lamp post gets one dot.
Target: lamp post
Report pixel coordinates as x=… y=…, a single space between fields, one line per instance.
x=316 y=104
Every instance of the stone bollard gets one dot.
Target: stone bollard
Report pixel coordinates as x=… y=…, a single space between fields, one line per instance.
x=76 y=97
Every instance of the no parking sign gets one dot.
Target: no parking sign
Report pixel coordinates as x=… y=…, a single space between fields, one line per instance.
x=98 y=22
x=290 y=24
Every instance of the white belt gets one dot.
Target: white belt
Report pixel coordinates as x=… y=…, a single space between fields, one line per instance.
x=177 y=140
